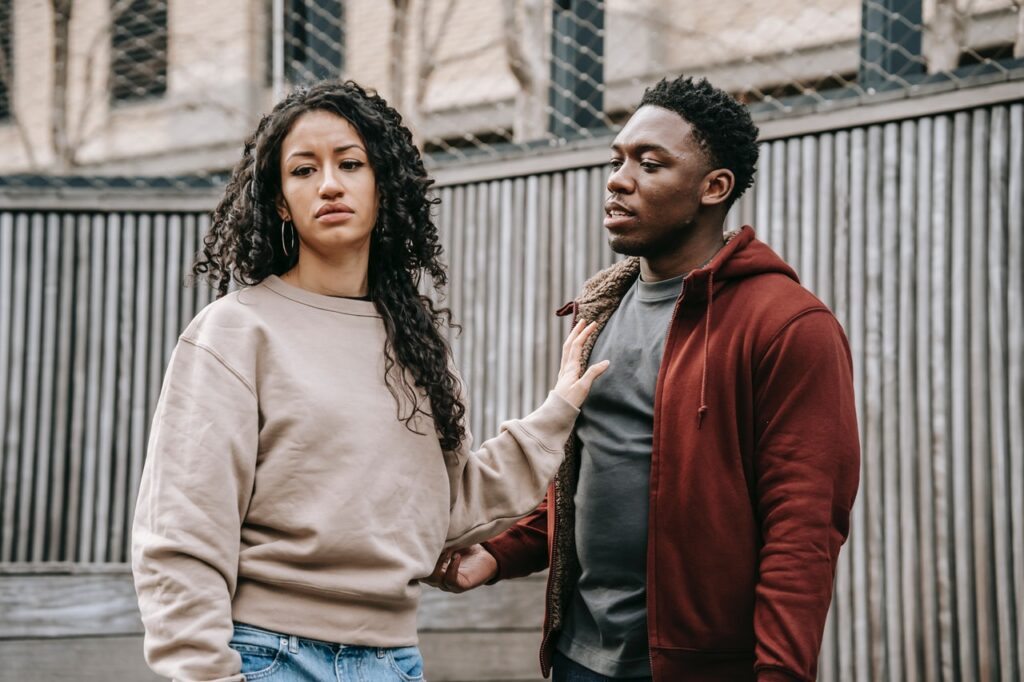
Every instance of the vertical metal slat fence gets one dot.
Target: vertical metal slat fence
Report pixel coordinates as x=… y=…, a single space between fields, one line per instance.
x=911 y=231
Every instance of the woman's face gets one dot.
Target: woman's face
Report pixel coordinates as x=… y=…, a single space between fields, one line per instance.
x=328 y=189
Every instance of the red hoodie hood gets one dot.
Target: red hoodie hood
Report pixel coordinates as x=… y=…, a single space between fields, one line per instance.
x=744 y=256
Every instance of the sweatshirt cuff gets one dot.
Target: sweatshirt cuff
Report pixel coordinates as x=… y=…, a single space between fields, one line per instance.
x=552 y=422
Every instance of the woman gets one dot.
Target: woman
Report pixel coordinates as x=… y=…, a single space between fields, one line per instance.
x=308 y=459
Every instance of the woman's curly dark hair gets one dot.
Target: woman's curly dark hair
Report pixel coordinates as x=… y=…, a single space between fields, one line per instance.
x=404 y=244
x=721 y=125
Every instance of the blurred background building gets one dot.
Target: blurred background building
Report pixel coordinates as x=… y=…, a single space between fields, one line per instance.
x=891 y=177
x=151 y=87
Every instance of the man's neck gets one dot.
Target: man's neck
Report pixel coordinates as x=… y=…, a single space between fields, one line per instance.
x=346 y=276
x=691 y=254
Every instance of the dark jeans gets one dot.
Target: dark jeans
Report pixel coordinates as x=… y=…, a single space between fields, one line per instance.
x=566 y=670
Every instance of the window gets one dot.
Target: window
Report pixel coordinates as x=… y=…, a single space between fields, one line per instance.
x=6 y=58
x=576 y=95
x=138 y=64
x=314 y=40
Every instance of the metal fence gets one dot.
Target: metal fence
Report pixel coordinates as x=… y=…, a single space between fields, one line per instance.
x=912 y=231
x=92 y=307
x=172 y=87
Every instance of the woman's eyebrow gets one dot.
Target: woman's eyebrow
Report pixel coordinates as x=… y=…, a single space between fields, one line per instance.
x=342 y=148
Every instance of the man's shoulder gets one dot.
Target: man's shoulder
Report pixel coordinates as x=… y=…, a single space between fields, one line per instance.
x=772 y=302
x=776 y=289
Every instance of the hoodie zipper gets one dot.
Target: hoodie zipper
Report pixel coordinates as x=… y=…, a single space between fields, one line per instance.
x=668 y=332
x=545 y=657
x=545 y=662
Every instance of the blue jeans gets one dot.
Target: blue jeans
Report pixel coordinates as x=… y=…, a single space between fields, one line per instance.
x=567 y=670
x=278 y=657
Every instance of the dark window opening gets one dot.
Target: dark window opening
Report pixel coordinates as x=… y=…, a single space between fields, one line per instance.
x=138 y=64
x=314 y=41
x=576 y=94
x=982 y=55
x=6 y=58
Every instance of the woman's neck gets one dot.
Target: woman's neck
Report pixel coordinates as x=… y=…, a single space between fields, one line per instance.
x=346 y=276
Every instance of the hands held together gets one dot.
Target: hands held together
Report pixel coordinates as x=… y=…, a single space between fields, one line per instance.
x=460 y=570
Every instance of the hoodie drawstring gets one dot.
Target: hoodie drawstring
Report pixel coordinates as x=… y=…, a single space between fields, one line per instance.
x=704 y=371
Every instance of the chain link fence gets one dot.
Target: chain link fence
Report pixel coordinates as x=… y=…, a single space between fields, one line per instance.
x=111 y=93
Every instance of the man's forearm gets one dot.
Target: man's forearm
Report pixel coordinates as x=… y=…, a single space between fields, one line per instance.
x=523 y=548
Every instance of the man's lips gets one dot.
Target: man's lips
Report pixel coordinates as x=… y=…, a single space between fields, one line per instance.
x=614 y=208
x=615 y=214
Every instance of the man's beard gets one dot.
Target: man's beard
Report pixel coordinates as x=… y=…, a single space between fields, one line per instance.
x=646 y=246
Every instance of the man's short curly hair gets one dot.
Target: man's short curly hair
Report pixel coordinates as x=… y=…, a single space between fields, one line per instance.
x=721 y=125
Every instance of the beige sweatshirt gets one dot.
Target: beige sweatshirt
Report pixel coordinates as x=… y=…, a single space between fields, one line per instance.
x=280 y=489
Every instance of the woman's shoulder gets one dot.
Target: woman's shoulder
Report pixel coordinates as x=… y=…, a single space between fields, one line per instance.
x=231 y=317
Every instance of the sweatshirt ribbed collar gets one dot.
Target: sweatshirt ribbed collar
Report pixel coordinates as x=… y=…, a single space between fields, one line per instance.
x=337 y=304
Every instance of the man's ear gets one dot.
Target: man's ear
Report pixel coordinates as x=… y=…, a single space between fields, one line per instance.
x=282 y=207
x=718 y=185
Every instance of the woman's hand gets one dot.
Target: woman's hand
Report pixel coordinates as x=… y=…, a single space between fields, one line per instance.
x=463 y=569
x=570 y=385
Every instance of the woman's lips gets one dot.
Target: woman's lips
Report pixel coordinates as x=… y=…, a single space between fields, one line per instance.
x=335 y=217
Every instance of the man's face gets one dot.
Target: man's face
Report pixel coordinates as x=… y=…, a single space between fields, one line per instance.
x=656 y=184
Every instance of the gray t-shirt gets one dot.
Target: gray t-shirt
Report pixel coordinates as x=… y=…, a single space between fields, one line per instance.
x=606 y=627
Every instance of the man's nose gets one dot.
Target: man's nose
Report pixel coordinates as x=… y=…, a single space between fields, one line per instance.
x=619 y=182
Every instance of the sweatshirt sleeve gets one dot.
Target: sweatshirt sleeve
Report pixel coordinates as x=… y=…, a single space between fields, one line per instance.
x=807 y=461
x=195 y=489
x=507 y=477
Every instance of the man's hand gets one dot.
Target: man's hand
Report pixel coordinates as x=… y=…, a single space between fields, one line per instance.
x=463 y=569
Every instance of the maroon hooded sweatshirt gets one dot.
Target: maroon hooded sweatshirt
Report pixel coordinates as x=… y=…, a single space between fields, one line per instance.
x=754 y=470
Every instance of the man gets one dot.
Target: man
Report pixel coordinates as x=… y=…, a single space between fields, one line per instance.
x=693 y=530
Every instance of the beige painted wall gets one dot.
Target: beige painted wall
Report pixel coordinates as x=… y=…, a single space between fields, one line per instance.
x=214 y=88
x=217 y=60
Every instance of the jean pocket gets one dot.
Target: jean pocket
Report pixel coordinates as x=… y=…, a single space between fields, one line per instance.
x=407 y=662
x=262 y=652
